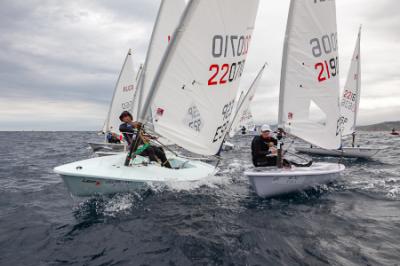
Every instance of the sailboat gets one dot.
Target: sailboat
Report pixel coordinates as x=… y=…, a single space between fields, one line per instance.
x=123 y=100
x=130 y=100
x=192 y=95
x=309 y=78
x=242 y=112
x=349 y=106
x=243 y=116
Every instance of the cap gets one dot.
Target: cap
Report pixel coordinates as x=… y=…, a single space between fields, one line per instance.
x=265 y=127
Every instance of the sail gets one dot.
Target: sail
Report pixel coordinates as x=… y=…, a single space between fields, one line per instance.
x=135 y=106
x=309 y=92
x=123 y=95
x=351 y=94
x=169 y=14
x=243 y=116
x=197 y=83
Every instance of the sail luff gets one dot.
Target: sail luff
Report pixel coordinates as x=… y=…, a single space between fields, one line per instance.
x=284 y=63
x=164 y=61
x=148 y=54
x=358 y=79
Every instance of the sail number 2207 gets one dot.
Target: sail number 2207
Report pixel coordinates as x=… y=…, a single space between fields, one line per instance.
x=228 y=46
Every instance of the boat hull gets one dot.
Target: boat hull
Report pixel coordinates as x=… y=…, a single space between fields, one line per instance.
x=108 y=175
x=228 y=146
x=106 y=147
x=270 y=181
x=348 y=152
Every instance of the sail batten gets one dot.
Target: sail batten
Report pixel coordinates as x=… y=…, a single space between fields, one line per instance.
x=310 y=74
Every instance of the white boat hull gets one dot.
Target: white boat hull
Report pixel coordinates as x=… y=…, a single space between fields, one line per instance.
x=228 y=146
x=102 y=146
x=348 y=152
x=108 y=175
x=271 y=181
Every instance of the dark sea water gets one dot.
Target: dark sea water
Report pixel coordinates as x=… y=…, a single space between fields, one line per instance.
x=354 y=221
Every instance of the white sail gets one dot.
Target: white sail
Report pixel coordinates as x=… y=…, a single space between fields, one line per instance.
x=123 y=97
x=309 y=93
x=197 y=82
x=351 y=94
x=243 y=116
x=135 y=106
x=169 y=14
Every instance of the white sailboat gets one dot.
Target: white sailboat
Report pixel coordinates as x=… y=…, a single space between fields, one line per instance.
x=309 y=78
x=122 y=100
x=349 y=107
x=192 y=95
x=243 y=116
x=168 y=16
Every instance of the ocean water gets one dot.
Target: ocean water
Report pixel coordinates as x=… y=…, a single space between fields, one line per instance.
x=354 y=221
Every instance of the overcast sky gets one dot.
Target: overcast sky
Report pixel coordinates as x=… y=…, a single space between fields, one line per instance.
x=59 y=60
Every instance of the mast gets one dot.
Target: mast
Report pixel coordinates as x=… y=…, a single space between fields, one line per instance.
x=159 y=74
x=358 y=81
x=279 y=160
x=107 y=124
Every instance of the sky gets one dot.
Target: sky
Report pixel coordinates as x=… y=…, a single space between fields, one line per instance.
x=59 y=60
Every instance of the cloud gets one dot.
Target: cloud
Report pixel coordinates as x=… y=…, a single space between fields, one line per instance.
x=69 y=54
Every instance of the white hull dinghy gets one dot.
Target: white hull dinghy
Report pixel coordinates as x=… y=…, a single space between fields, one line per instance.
x=302 y=87
x=124 y=99
x=268 y=181
x=346 y=152
x=108 y=175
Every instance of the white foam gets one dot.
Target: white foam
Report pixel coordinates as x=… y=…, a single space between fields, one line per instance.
x=212 y=181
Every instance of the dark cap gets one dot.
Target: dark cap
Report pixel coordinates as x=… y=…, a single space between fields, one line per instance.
x=125 y=113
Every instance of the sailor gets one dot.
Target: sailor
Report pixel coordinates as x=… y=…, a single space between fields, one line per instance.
x=243 y=130
x=113 y=138
x=129 y=129
x=263 y=148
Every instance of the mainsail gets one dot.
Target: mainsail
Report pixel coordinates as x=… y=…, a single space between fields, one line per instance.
x=351 y=94
x=123 y=97
x=194 y=91
x=310 y=74
x=243 y=116
x=169 y=14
